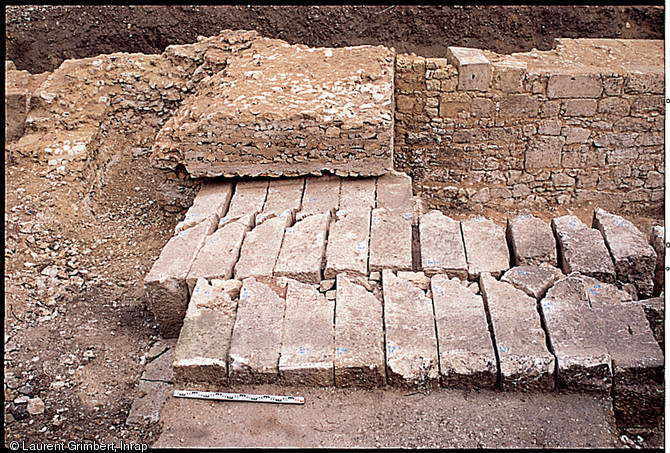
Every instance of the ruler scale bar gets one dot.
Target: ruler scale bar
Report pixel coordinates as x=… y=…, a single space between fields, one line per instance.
x=247 y=397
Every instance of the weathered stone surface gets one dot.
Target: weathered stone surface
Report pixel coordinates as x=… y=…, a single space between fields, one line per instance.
x=582 y=249
x=654 y=310
x=218 y=255
x=357 y=193
x=19 y=88
x=249 y=198
x=634 y=259
x=307 y=352
x=508 y=75
x=394 y=193
x=283 y=199
x=531 y=241
x=253 y=357
x=418 y=279
x=524 y=361
x=474 y=69
x=213 y=198
x=348 y=240
x=485 y=247
x=411 y=342
x=658 y=242
x=359 y=337
x=165 y=285
x=321 y=195
x=146 y=408
x=160 y=368
x=390 y=241
x=201 y=353
x=532 y=280
x=303 y=249
x=260 y=249
x=574 y=86
x=442 y=249
x=467 y=357
x=583 y=361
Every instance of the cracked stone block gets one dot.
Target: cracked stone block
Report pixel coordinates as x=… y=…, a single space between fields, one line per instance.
x=658 y=242
x=524 y=361
x=390 y=241
x=249 y=198
x=584 y=363
x=213 y=198
x=442 y=249
x=357 y=194
x=303 y=249
x=253 y=357
x=411 y=341
x=394 y=193
x=201 y=354
x=634 y=259
x=359 y=337
x=485 y=247
x=149 y=400
x=654 y=310
x=582 y=249
x=165 y=286
x=283 y=199
x=531 y=241
x=467 y=357
x=321 y=195
x=532 y=280
x=260 y=249
x=307 y=351
x=474 y=69
x=160 y=368
x=348 y=243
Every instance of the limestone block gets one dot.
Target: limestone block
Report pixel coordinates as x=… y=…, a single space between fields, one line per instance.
x=394 y=193
x=474 y=69
x=532 y=280
x=390 y=241
x=531 y=241
x=283 y=199
x=574 y=86
x=249 y=198
x=260 y=249
x=654 y=310
x=485 y=247
x=508 y=75
x=544 y=151
x=442 y=249
x=467 y=357
x=146 y=409
x=303 y=249
x=348 y=244
x=212 y=199
x=658 y=242
x=321 y=195
x=357 y=193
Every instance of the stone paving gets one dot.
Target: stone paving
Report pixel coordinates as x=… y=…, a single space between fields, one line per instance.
x=293 y=281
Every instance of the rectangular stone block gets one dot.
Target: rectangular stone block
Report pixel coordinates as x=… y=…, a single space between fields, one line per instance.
x=260 y=249
x=467 y=357
x=348 y=241
x=390 y=242
x=582 y=249
x=474 y=69
x=525 y=363
x=634 y=259
x=307 y=351
x=165 y=285
x=321 y=195
x=442 y=249
x=654 y=310
x=485 y=247
x=201 y=353
x=359 y=337
x=574 y=86
x=508 y=75
x=544 y=151
x=283 y=199
x=248 y=198
x=357 y=193
x=411 y=341
x=303 y=249
x=212 y=199
x=394 y=193
x=531 y=241
x=532 y=280
x=255 y=343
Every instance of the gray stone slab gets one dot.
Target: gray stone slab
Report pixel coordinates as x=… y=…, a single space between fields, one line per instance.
x=531 y=241
x=532 y=280
x=584 y=363
x=654 y=309
x=284 y=198
x=348 y=244
x=249 y=198
x=307 y=350
x=260 y=249
x=359 y=337
x=411 y=341
x=524 y=361
x=217 y=257
x=394 y=193
x=201 y=353
x=467 y=357
x=485 y=247
x=212 y=198
x=390 y=242
x=582 y=249
x=149 y=399
x=160 y=368
x=357 y=193
x=634 y=259
x=442 y=249
x=321 y=195
x=253 y=357
x=303 y=249
x=658 y=242
x=165 y=285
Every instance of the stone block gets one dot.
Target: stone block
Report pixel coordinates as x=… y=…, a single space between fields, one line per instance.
x=160 y=368
x=654 y=310
x=357 y=193
x=253 y=357
x=260 y=249
x=149 y=400
x=658 y=242
x=634 y=259
x=165 y=286
x=411 y=346
x=442 y=249
x=532 y=280
x=467 y=357
x=248 y=199
x=531 y=241
x=485 y=247
x=201 y=353
x=303 y=249
x=348 y=244
x=525 y=363
x=390 y=241
x=212 y=199
x=394 y=193
x=321 y=195
x=582 y=249
x=307 y=351
x=283 y=199
x=544 y=151
x=574 y=86
x=579 y=107
x=474 y=69
x=454 y=104
x=359 y=337
x=508 y=76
